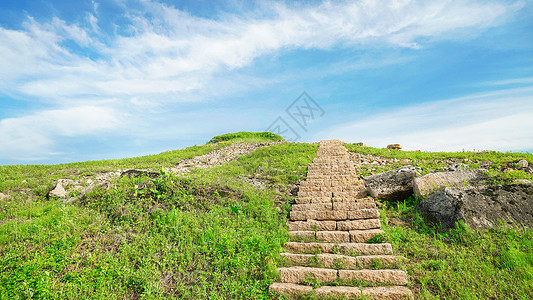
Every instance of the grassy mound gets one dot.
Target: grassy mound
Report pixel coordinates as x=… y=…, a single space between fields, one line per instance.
x=216 y=233
x=247 y=137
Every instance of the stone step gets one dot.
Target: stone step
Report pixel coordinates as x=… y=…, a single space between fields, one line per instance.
x=362 y=236
x=312 y=206
x=331 y=177
x=329 y=260
x=392 y=277
x=322 y=260
x=334 y=236
x=358 y=224
x=291 y=291
x=353 y=249
x=337 y=215
x=307 y=200
x=311 y=225
x=379 y=261
x=329 y=205
x=354 y=204
x=330 y=199
x=303 y=236
x=387 y=293
x=318 y=194
x=329 y=169
x=354 y=194
x=333 y=182
x=332 y=159
x=299 y=274
x=355 y=189
x=337 y=292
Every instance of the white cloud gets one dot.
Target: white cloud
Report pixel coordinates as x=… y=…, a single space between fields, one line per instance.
x=499 y=120
x=34 y=136
x=173 y=51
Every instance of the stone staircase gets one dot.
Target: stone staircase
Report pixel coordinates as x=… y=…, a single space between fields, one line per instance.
x=330 y=223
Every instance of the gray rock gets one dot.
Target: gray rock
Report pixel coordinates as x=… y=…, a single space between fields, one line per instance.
x=360 y=144
x=426 y=185
x=523 y=164
x=481 y=207
x=58 y=191
x=394 y=185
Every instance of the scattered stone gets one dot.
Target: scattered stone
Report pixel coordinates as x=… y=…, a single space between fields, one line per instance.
x=523 y=164
x=481 y=207
x=394 y=185
x=394 y=146
x=426 y=185
x=455 y=167
x=136 y=173
x=58 y=190
x=2 y=196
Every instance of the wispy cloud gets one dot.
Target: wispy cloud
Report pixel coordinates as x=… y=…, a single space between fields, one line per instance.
x=498 y=120
x=173 y=51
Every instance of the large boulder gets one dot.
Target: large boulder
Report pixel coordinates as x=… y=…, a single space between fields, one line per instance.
x=395 y=185
x=481 y=207
x=428 y=184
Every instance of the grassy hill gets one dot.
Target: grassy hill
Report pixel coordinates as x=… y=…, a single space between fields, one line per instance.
x=213 y=234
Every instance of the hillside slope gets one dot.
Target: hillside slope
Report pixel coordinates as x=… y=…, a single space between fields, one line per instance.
x=216 y=232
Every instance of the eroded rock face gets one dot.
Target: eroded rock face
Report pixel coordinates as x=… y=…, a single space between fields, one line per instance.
x=426 y=185
x=394 y=185
x=481 y=207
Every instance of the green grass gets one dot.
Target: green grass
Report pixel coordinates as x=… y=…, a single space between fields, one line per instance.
x=217 y=233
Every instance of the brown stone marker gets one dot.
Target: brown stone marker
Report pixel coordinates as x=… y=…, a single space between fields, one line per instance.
x=330 y=226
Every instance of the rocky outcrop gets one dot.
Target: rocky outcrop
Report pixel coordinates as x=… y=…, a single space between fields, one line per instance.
x=428 y=184
x=58 y=191
x=395 y=185
x=481 y=207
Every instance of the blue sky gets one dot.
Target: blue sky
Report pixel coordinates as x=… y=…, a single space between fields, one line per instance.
x=85 y=80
